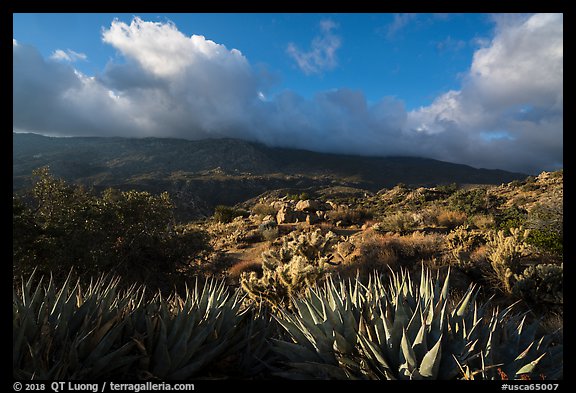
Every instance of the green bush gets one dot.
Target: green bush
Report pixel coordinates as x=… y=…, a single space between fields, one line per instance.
x=226 y=214
x=447 y=189
x=511 y=217
x=62 y=226
x=546 y=224
x=474 y=201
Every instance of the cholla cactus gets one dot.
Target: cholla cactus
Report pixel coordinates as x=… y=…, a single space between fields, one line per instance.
x=541 y=284
x=504 y=253
x=406 y=331
x=297 y=265
x=461 y=242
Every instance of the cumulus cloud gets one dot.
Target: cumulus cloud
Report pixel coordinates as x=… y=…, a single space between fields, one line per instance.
x=68 y=55
x=322 y=53
x=510 y=107
x=507 y=114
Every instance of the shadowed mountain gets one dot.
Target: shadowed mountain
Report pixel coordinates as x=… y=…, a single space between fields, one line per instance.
x=202 y=174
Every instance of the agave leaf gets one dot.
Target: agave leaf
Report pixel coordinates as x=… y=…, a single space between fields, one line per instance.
x=373 y=352
x=465 y=301
x=161 y=357
x=295 y=352
x=112 y=361
x=431 y=361
x=341 y=345
x=408 y=362
x=202 y=358
x=420 y=346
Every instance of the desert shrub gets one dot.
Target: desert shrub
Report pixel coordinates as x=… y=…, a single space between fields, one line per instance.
x=474 y=201
x=269 y=230
x=226 y=214
x=399 y=222
x=450 y=218
x=373 y=252
x=130 y=233
x=237 y=269
x=350 y=216
x=301 y=261
x=447 y=189
x=483 y=221
x=541 y=284
x=461 y=242
x=298 y=197
x=545 y=222
x=264 y=210
x=414 y=248
x=511 y=217
x=530 y=187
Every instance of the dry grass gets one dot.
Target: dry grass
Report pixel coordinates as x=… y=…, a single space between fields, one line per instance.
x=450 y=218
x=377 y=251
x=479 y=255
x=236 y=270
x=415 y=247
x=483 y=221
x=263 y=210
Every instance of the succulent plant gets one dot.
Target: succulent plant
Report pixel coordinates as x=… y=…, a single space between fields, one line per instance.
x=541 y=283
x=405 y=330
x=71 y=333
x=461 y=241
x=102 y=332
x=504 y=253
x=181 y=335
x=299 y=263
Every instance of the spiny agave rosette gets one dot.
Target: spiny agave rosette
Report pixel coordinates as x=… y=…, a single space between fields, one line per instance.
x=101 y=332
x=183 y=335
x=71 y=333
x=347 y=330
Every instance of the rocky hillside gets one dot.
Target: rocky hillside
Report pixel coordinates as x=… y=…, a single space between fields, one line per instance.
x=202 y=174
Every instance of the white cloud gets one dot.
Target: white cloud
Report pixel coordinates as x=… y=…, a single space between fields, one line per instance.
x=68 y=55
x=322 y=53
x=450 y=44
x=400 y=21
x=507 y=114
x=514 y=88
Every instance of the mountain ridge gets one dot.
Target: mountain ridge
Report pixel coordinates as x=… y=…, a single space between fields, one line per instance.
x=229 y=171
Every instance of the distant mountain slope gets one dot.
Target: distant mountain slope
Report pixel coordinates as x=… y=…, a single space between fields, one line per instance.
x=208 y=172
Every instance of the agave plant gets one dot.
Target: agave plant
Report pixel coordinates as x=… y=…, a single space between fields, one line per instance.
x=407 y=331
x=70 y=333
x=179 y=336
x=102 y=332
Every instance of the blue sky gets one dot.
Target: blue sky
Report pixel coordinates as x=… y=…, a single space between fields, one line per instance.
x=380 y=54
x=480 y=89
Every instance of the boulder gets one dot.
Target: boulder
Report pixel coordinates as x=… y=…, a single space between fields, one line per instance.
x=308 y=205
x=311 y=219
x=287 y=214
